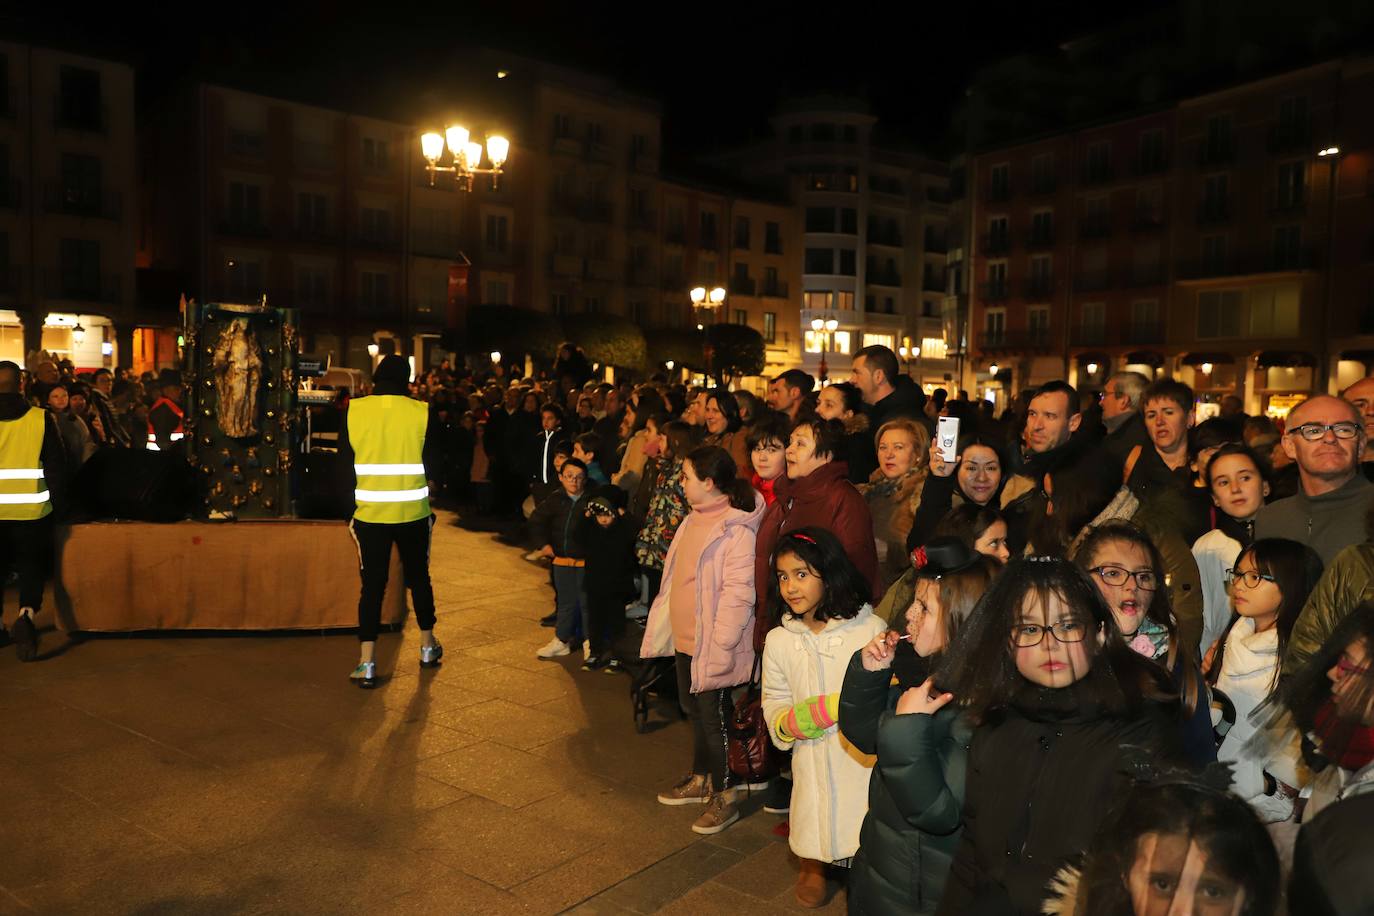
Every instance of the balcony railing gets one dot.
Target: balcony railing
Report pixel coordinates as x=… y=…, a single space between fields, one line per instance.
x=997 y=243
x=1088 y=335
x=1215 y=210
x=1143 y=332
x=742 y=286
x=81 y=286
x=1290 y=136
x=885 y=278
x=994 y=291
x=774 y=290
x=1092 y=280
x=1215 y=152
x=1242 y=265
x=1032 y=339
x=59 y=198
x=881 y=237
x=1094 y=227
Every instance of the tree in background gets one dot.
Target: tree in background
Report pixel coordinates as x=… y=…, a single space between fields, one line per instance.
x=735 y=350
x=607 y=339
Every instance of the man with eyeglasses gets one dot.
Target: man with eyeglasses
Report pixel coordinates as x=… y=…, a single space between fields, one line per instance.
x=1326 y=437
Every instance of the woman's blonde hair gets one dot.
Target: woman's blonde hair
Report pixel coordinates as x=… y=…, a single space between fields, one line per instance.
x=918 y=434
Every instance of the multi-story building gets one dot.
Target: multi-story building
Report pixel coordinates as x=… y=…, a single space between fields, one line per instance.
x=67 y=208
x=1196 y=241
x=249 y=196
x=872 y=226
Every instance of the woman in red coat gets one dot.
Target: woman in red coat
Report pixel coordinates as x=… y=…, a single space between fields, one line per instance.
x=815 y=491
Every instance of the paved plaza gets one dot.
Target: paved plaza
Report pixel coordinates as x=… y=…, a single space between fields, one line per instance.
x=244 y=774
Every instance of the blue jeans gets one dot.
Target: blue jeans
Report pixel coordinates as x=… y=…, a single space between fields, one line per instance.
x=569 y=601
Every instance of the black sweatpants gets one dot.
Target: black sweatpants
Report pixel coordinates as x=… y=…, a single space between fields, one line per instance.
x=605 y=620
x=374 y=561
x=26 y=547
x=708 y=712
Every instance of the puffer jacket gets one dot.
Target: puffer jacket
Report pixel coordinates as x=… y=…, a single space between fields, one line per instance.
x=829 y=775
x=1344 y=585
x=1215 y=552
x=724 y=654
x=1247 y=677
x=915 y=796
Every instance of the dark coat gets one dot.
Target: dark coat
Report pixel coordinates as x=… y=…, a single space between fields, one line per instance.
x=906 y=400
x=610 y=553
x=860 y=451
x=1041 y=774
x=915 y=796
x=1169 y=495
x=1132 y=432
x=556 y=520
x=824 y=498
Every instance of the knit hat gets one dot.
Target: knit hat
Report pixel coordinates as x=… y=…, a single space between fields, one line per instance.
x=393 y=370
x=942 y=556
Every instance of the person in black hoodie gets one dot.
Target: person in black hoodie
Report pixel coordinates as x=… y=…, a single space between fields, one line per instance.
x=608 y=538
x=1066 y=718
x=887 y=394
x=27 y=527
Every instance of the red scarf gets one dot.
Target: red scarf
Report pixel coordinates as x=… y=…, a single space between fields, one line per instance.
x=765 y=487
x=1358 y=749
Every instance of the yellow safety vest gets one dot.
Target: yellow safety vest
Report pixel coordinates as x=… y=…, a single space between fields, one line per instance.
x=23 y=491
x=387 y=433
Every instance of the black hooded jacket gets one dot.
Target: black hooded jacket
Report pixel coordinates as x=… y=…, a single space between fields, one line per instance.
x=906 y=400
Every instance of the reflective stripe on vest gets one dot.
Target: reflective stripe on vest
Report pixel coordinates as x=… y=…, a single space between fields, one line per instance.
x=176 y=434
x=387 y=434
x=23 y=490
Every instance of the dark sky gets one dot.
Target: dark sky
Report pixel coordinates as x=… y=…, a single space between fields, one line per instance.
x=718 y=68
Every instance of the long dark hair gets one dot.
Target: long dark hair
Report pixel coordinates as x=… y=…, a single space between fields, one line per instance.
x=682 y=437
x=1305 y=692
x=1296 y=569
x=1160 y=610
x=846 y=590
x=728 y=407
x=1224 y=827
x=968 y=522
x=713 y=463
x=980 y=667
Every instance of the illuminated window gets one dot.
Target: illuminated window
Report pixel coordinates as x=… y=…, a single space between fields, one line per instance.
x=933 y=347
x=880 y=340
x=818 y=300
x=815 y=341
x=841 y=344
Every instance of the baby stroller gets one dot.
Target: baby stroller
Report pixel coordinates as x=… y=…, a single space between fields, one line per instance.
x=649 y=677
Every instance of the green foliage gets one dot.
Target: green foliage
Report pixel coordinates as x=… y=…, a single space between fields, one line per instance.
x=512 y=330
x=736 y=350
x=607 y=339
x=682 y=346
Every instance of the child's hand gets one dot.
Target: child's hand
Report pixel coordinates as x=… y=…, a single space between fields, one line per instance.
x=1210 y=657
x=877 y=655
x=920 y=700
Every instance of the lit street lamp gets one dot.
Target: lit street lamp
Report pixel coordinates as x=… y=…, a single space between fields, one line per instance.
x=465 y=155
x=706 y=301
x=78 y=334
x=829 y=326
x=908 y=354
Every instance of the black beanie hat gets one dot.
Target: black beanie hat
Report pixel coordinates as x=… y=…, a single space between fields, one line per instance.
x=393 y=370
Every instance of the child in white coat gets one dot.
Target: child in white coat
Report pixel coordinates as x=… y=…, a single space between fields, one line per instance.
x=1269 y=585
x=819 y=600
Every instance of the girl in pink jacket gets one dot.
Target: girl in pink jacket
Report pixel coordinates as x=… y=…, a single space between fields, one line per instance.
x=703 y=617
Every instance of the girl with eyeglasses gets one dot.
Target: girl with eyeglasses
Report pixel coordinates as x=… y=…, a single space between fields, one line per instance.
x=1064 y=714
x=1269 y=584
x=1127 y=569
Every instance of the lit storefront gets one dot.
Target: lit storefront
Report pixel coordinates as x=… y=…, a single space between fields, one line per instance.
x=1283 y=380
x=1212 y=375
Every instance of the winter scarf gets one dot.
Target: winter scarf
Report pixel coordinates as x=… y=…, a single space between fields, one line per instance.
x=1359 y=742
x=1150 y=639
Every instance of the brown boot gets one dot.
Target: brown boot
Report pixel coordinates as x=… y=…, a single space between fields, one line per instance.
x=810 y=889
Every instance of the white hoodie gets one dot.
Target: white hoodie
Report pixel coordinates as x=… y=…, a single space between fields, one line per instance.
x=1247 y=677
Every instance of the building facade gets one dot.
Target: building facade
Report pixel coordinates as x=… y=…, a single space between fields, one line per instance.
x=1203 y=240
x=67 y=208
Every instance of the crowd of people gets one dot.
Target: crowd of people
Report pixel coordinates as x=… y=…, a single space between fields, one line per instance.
x=1103 y=659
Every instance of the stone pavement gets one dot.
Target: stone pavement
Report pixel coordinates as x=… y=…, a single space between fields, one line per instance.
x=243 y=774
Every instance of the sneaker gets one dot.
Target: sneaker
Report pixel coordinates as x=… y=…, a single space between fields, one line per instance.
x=595 y=663
x=365 y=675
x=613 y=666
x=693 y=790
x=779 y=797
x=719 y=814
x=555 y=649
x=430 y=655
x=25 y=637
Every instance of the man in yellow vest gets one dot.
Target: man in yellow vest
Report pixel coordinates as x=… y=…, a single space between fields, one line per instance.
x=385 y=441
x=32 y=473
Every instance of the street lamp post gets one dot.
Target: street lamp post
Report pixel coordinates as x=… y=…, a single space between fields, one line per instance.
x=829 y=326
x=708 y=301
x=465 y=156
x=1332 y=156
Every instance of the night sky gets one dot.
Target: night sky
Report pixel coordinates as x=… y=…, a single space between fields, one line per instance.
x=717 y=68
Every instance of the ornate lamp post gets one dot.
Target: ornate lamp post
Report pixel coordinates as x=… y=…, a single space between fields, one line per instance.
x=706 y=302
x=465 y=156
x=829 y=326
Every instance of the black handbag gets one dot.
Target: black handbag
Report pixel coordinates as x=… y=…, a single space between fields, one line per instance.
x=749 y=748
